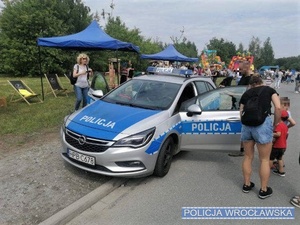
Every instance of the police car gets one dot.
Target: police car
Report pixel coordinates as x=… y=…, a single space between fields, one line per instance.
x=135 y=129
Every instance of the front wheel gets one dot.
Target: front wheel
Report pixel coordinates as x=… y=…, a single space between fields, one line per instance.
x=164 y=159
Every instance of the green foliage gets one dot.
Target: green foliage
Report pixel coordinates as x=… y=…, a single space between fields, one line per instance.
x=117 y=29
x=267 y=53
x=184 y=46
x=240 y=48
x=262 y=55
x=22 y=22
x=225 y=49
x=288 y=63
x=188 y=49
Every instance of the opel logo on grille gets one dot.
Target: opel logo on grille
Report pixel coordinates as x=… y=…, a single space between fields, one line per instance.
x=82 y=140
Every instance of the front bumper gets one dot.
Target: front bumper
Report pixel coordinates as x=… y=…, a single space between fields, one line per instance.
x=117 y=162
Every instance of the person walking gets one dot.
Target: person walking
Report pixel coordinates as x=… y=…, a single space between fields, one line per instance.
x=81 y=72
x=278 y=77
x=297 y=83
x=260 y=135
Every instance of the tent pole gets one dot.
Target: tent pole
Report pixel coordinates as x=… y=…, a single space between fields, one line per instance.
x=41 y=75
x=118 y=64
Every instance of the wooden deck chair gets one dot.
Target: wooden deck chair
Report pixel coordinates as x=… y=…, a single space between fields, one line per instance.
x=67 y=76
x=55 y=85
x=24 y=91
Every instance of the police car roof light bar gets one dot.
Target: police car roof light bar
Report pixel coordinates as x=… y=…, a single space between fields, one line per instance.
x=168 y=70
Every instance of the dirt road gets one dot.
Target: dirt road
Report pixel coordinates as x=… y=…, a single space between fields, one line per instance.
x=35 y=182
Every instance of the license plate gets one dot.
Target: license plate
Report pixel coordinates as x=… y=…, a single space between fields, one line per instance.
x=81 y=157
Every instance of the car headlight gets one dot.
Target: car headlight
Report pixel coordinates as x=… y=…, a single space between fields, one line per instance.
x=136 y=140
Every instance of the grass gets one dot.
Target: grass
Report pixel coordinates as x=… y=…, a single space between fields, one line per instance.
x=19 y=118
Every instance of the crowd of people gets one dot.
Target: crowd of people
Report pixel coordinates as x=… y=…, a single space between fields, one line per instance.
x=280 y=76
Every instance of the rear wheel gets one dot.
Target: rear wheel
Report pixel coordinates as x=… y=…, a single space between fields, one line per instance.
x=164 y=159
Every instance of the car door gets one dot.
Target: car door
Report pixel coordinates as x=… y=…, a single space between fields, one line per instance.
x=218 y=127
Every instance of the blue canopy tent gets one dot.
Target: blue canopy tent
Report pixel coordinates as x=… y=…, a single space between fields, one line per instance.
x=92 y=38
x=169 y=54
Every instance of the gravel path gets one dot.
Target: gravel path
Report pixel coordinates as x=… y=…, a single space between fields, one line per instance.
x=35 y=182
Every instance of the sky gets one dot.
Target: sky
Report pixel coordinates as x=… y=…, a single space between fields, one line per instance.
x=235 y=21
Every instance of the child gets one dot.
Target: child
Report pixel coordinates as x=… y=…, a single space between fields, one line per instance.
x=290 y=122
x=280 y=143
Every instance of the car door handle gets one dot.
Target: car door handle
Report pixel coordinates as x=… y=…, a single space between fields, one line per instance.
x=234 y=119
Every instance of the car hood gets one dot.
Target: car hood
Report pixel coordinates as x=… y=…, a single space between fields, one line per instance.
x=106 y=120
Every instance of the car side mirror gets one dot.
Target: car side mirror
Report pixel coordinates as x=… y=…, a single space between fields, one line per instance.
x=97 y=93
x=193 y=110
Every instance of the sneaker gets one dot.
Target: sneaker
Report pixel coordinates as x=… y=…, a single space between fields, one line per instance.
x=236 y=154
x=265 y=194
x=295 y=201
x=297 y=92
x=282 y=174
x=247 y=188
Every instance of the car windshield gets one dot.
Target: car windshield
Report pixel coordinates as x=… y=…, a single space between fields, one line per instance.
x=148 y=94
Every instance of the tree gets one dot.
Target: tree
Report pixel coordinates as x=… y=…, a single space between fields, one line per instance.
x=267 y=53
x=262 y=55
x=225 y=49
x=22 y=22
x=117 y=29
x=241 y=48
x=288 y=63
x=254 y=48
x=187 y=48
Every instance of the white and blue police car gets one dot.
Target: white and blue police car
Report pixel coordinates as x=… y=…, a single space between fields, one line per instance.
x=135 y=129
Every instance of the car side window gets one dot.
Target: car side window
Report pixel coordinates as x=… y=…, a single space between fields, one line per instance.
x=221 y=99
x=210 y=102
x=209 y=86
x=188 y=93
x=201 y=87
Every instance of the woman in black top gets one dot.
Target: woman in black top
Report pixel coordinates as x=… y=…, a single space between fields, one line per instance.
x=260 y=135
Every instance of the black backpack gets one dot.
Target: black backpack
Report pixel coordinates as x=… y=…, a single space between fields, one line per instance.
x=253 y=113
x=73 y=80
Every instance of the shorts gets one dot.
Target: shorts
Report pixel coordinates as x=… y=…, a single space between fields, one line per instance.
x=262 y=134
x=277 y=153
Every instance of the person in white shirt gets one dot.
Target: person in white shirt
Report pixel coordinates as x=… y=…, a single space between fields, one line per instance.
x=278 y=77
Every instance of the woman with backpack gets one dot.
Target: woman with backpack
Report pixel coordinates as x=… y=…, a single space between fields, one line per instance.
x=81 y=73
x=257 y=129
